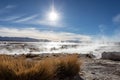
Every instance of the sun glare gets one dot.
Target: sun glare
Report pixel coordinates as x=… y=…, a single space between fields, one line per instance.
x=53 y=16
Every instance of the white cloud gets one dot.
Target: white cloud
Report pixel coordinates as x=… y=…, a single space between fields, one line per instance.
x=10 y=18
x=102 y=28
x=10 y=6
x=26 y=19
x=33 y=19
x=49 y=23
x=6 y=9
x=39 y=34
x=116 y=36
x=56 y=36
x=116 y=19
x=105 y=38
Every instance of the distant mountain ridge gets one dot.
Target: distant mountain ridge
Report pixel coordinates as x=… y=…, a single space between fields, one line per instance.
x=22 y=39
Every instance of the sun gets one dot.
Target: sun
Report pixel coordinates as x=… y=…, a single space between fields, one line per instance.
x=53 y=16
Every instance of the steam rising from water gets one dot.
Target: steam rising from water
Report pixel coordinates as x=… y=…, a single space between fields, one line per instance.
x=95 y=48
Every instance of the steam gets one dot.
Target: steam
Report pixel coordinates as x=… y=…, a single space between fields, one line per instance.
x=88 y=44
x=95 y=48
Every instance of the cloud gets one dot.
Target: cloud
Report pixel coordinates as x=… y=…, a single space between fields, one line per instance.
x=108 y=38
x=26 y=19
x=40 y=34
x=10 y=18
x=36 y=20
x=102 y=28
x=57 y=36
x=10 y=6
x=19 y=18
x=6 y=9
x=49 y=23
x=116 y=36
x=33 y=19
x=116 y=19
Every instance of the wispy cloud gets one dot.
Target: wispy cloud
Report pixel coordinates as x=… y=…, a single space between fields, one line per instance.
x=49 y=23
x=102 y=28
x=10 y=6
x=6 y=9
x=108 y=38
x=117 y=34
x=26 y=19
x=116 y=19
x=10 y=18
x=35 y=19
x=56 y=36
x=40 y=34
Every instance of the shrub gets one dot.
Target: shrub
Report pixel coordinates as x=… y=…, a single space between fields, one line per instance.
x=41 y=71
x=68 y=67
x=52 y=68
x=6 y=73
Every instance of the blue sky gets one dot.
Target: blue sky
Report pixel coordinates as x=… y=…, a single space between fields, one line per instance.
x=77 y=17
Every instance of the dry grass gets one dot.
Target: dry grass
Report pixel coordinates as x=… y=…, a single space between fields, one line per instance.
x=47 y=69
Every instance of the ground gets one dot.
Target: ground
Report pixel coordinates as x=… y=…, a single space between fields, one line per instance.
x=100 y=70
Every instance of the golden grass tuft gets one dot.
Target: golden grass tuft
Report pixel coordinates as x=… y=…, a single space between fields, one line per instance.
x=47 y=69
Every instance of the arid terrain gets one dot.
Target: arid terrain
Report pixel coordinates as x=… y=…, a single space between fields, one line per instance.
x=19 y=67
x=21 y=58
x=59 y=39
x=100 y=69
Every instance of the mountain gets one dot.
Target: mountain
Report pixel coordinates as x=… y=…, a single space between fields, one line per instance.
x=22 y=39
x=76 y=41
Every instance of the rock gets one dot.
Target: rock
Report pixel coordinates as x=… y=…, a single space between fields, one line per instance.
x=92 y=72
x=111 y=56
x=91 y=56
x=77 y=77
